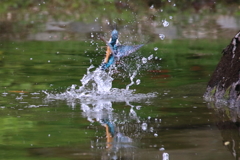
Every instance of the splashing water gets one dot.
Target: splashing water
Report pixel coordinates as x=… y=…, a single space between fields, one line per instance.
x=165 y=156
x=98 y=111
x=97 y=85
x=131 y=78
x=97 y=81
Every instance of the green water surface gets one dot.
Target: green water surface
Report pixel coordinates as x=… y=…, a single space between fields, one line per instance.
x=34 y=129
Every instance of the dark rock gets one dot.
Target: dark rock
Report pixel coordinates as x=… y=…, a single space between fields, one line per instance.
x=225 y=81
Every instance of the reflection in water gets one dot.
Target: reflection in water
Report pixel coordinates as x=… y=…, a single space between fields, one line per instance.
x=228 y=123
x=116 y=124
x=124 y=130
x=165 y=156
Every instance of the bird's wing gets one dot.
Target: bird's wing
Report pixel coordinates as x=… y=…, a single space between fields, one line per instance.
x=123 y=50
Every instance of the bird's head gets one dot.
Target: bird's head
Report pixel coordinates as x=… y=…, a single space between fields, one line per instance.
x=114 y=34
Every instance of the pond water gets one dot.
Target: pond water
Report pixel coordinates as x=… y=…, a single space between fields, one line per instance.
x=55 y=102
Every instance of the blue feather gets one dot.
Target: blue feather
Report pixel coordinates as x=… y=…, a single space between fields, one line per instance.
x=123 y=51
x=110 y=62
x=118 y=51
x=111 y=127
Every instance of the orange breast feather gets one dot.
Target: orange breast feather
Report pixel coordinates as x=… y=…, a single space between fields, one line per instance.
x=108 y=53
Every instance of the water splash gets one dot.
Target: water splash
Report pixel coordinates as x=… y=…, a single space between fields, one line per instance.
x=98 y=111
x=97 y=85
x=165 y=156
x=131 y=78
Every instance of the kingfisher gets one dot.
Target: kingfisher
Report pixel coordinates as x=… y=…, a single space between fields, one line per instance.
x=115 y=139
x=115 y=50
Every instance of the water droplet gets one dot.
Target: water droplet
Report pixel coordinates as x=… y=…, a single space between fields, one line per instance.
x=31 y=59
x=170 y=17
x=165 y=23
x=152 y=6
x=138 y=107
x=156 y=48
x=161 y=149
x=226 y=143
x=150 y=57
x=49 y=135
x=144 y=126
x=57 y=52
x=151 y=129
x=155 y=134
x=144 y=60
x=138 y=81
x=161 y=36
x=149 y=117
x=49 y=61
x=165 y=156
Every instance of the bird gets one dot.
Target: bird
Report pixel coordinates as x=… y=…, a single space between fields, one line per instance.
x=115 y=139
x=115 y=50
x=113 y=42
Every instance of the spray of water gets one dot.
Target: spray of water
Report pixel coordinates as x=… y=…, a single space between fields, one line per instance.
x=97 y=85
x=96 y=94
